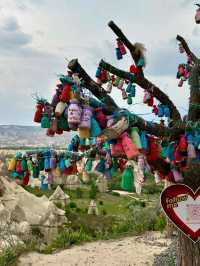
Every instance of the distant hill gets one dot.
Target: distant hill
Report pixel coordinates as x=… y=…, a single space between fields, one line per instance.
x=30 y=136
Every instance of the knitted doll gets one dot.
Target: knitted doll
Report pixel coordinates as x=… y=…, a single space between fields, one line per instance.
x=127 y=178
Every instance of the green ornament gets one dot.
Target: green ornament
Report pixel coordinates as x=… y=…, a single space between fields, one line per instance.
x=45 y=122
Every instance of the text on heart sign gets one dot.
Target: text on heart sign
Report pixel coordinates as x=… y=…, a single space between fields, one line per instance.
x=173 y=202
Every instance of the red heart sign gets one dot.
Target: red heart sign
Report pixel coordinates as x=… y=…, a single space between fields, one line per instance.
x=182 y=206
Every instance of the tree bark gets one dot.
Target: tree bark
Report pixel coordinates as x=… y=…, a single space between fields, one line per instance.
x=188 y=253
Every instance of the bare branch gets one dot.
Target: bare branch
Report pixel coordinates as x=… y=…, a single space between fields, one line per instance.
x=186 y=48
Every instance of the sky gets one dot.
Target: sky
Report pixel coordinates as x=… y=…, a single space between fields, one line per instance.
x=37 y=35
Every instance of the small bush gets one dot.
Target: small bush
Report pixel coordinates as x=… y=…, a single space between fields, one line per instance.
x=93 y=191
x=104 y=212
x=67 y=238
x=135 y=202
x=72 y=205
x=115 y=194
x=101 y=202
x=79 y=193
x=8 y=257
x=152 y=189
x=59 y=205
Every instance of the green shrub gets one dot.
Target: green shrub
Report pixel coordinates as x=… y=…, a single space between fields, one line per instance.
x=79 y=193
x=59 y=205
x=93 y=191
x=104 y=212
x=8 y=257
x=67 y=238
x=136 y=202
x=72 y=205
x=101 y=202
x=152 y=189
x=115 y=194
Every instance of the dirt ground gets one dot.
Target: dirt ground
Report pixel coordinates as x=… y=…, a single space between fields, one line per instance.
x=137 y=251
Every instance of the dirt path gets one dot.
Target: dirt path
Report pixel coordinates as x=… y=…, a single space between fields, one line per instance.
x=129 y=251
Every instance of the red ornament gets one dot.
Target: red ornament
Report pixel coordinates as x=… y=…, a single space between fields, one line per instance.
x=182 y=143
x=133 y=69
x=26 y=178
x=150 y=101
x=121 y=47
x=65 y=95
x=101 y=118
x=103 y=76
x=155 y=109
x=38 y=113
x=154 y=151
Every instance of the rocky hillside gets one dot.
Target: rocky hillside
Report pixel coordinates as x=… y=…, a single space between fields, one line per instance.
x=15 y=136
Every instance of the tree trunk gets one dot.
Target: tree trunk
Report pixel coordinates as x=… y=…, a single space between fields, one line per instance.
x=188 y=253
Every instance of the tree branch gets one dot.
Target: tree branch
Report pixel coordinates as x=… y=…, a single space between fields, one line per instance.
x=194 y=100
x=131 y=47
x=186 y=48
x=145 y=84
x=100 y=93
x=90 y=84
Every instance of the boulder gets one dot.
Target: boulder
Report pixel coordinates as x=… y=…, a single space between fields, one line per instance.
x=60 y=197
x=18 y=206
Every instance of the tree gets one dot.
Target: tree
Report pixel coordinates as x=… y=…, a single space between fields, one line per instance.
x=188 y=253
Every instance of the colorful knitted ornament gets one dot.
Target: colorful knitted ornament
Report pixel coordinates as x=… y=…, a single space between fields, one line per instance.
x=18 y=166
x=23 y=165
x=65 y=95
x=121 y=47
x=144 y=140
x=182 y=143
x=171 y=151
x=129 y=100
x=153 y=150
x=74 y=114
x=95 y=129
x=30 y=165
x=12 y=164
x=191 y=151
x=100 y=117
x=136 y=137
x=36 y=171
x=60 y=107
x=88 y=165
x=38 y=113
x=127 y=180
x=62 y=123
x=101 y=166
x=118 y=54
x=128 y=146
